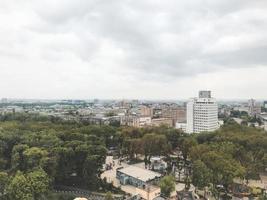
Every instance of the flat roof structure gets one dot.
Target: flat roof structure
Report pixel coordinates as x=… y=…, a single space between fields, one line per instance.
x=139 y=173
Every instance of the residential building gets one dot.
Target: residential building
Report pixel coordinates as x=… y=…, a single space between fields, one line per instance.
x=144 y=121
x=146 y=111
x=135 y=121
x=176 y=114
x=202 y=113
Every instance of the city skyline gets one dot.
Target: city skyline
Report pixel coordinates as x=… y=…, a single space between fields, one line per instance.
x=133 y=49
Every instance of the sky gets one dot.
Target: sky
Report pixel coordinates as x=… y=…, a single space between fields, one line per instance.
x=133 y=49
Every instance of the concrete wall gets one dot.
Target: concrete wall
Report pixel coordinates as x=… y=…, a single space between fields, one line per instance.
x=149 y=193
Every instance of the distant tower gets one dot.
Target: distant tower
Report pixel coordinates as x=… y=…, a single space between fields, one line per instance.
x=202 y=113
x=253 y=108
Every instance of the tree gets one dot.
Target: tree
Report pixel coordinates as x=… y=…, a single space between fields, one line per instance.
x=4 y=180
x=186 y=145
x=167 y=185
x=109 y=196
x=20 y=188
x=34 y=157
x=201 y=174
x=132 y=147
x=224 y=168
x=29 y=186
x=154 y=145
x=173 y=137
x=17 y=158
x=39 y=183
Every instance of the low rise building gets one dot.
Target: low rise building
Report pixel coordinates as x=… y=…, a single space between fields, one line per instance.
x=143 y=180
x=137 y=176
x=135 y=121
x=162 y=121
x=181 y=126
x=158 y=164
x=149 y=193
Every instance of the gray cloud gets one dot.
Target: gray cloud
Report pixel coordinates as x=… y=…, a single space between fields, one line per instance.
x=151 y=40
x=165 y=37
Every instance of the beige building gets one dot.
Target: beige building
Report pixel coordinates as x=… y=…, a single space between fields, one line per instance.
x=162 y=121
x=148 y=193
x=136 y=121
x=176 y=114
x=146 y=111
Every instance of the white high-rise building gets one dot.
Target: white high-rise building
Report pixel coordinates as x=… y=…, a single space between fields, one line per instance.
x=202 y=113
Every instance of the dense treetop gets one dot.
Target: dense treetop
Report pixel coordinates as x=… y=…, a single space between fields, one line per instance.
x=38 y=153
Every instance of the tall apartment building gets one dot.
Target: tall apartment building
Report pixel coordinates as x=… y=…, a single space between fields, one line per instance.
x=202 y=113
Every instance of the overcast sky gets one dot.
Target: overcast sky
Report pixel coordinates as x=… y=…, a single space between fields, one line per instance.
x=145 y=49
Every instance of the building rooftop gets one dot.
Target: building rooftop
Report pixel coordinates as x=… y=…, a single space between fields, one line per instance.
x=139 y=173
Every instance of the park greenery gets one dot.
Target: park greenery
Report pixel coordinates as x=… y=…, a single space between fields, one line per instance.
x=167 y=185
x=246 y=118
x=38 y=153
x=234 y=151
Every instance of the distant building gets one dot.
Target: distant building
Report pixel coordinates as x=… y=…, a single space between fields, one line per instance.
x=162 y=121
x=4 y=100
x=181 y=125
x=146 y=111
x=253 y=108
x=202 y=113
x=176 y=114
x=144 y=121
x=135 y=121
x=265 y=104
x=241 y=108
x=263 y=117
x=98 y=120
x=124 y=104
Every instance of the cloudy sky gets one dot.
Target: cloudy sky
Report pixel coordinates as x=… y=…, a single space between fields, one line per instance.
x=146 y=49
